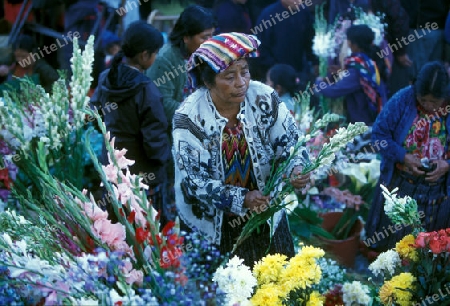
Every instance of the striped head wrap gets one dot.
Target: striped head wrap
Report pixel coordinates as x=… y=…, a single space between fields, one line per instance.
x=222 y=50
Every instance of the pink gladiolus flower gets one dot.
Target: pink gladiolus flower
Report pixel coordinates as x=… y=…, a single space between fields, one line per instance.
x=134 y=276
x=122 y=162
x=94 y=212
x=125 y=192
x=109 y=233
x=111 y=173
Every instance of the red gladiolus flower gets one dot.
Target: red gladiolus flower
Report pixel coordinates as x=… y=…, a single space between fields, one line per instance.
x=141 y=235
x=158 y=240
x=131 y=217
x=168 y=228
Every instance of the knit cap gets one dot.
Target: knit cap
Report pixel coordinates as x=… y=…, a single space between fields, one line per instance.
x=220 y=51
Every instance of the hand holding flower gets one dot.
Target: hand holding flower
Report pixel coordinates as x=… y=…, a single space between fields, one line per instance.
x=255 y=199
x=442 y=168
x=298 y=180
x=412 y=164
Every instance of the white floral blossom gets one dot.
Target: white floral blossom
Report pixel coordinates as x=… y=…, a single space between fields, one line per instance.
x=385 y=263
x=236 y=281
x=356 y=293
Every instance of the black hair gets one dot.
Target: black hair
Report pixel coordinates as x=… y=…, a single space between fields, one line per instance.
x=285 y=76
x=363 y=36
x=192 y=21
x=432 y=80
x=139 y=37
x=204 y=75
x=25 y=42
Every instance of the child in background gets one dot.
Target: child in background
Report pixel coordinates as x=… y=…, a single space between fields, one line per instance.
x=284 y=79
x=111 y=46
x=138 y=123
x=363 y=86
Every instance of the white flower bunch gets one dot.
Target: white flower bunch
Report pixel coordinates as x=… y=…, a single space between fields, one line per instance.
x=236 y=281
x=81 y=79
x=400 y=210
x=356 y=293
x=324 y=44
x=386 y=263
x=375 y=22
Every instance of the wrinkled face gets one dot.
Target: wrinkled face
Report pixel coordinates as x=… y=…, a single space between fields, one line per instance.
x=193 y=42
x=430 y=103
x=232 y=84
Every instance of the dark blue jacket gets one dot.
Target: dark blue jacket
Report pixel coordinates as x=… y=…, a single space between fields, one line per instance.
x=288 y=41
x=354 y=97
x=138 y=123
x=232 y=17
x=392 y=125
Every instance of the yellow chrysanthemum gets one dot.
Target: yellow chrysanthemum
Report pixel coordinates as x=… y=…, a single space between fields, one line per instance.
x=405 y=248
x=268 y=294
x=269 y=268
x=315 y=299
x=311 y=252
x=386 y=293
x=299 y=274
x=399 y=290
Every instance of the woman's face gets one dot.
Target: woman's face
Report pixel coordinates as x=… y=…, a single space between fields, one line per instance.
x=193 y=42
x=146 y=59
x=430 y=103
x=232 y=84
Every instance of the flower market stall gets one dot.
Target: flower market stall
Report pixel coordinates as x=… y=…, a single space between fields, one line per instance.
x=59 y=247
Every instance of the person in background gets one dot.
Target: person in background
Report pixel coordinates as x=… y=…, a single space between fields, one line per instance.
x=284 y=79
x=111 y=46
x=362 y=86
x=223 y=158
x=426 y=24
x=169 y=72
x=138 y=124
x=194 y=26
x=28 y=62
x=294 y=49
x=232 y=16
x=415 y=127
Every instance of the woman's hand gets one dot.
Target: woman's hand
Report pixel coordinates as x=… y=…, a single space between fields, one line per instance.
x=412 y=164
x=442 y=168
x=300 y=181
x=255 y=199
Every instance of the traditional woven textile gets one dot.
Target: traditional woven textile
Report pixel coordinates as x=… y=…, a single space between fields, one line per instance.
x=222 y=50
x=370 y=78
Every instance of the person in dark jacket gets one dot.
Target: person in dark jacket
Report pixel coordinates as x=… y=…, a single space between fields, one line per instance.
x=138 y=123
x=232 y=16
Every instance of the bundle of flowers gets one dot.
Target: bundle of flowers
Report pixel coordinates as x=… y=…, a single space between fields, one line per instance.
x=417 y=271
x=278 y=185
x=375 y=22
x=57 y=120
x=67 y=250
x=278 y=281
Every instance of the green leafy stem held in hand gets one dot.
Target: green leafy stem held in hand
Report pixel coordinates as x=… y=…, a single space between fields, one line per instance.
x=278 y=179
